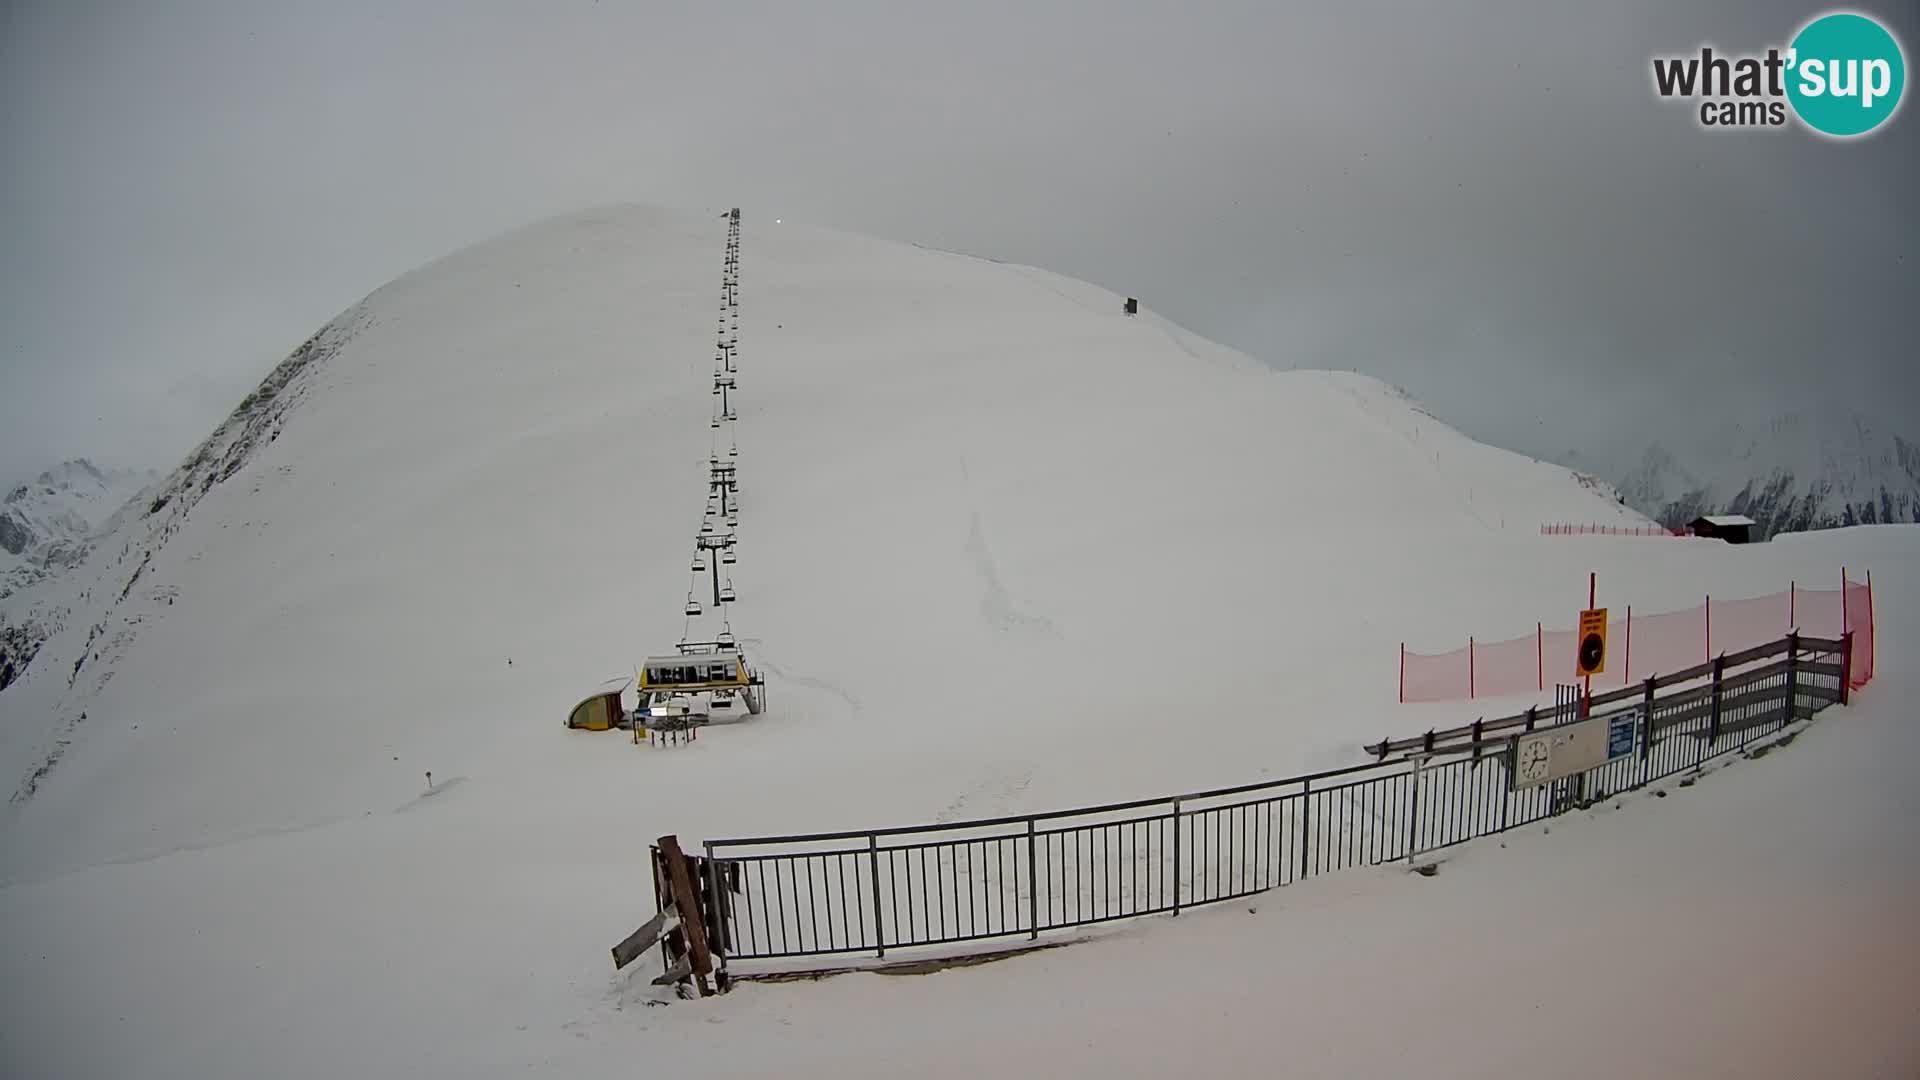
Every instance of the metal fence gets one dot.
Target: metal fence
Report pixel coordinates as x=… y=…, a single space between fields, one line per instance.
x=876 y=890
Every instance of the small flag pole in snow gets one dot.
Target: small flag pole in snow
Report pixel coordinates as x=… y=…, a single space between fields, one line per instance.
x=429 y=779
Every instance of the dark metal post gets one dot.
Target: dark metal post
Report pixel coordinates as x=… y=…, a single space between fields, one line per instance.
x=720 y=937
x=1793 y=678
x=1846 y=659
x=873 y=865
x=1413 y=811
x=1033 y=887
x=1646 y=722
x=1506 y=792
x=713 y=571
x=1306 y=825
x=1646 y=730
x=1176 y=856
x=1713 y=724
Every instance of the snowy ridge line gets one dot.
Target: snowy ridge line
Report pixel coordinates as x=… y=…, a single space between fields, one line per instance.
x=932 y=888
x=256 y=422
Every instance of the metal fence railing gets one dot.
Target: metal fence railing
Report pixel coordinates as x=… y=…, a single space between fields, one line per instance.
x=939 y=886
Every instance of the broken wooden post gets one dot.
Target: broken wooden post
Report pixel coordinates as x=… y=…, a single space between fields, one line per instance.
x=685 y=902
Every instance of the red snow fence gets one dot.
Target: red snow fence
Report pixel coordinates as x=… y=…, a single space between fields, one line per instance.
x=1646 y=644
x=1564 y=528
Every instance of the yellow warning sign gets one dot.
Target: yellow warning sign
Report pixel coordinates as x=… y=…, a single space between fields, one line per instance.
x=1591 y=659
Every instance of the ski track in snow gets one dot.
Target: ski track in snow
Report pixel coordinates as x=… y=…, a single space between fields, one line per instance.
x=989 y=796
x=996 y=606
x=760 y=657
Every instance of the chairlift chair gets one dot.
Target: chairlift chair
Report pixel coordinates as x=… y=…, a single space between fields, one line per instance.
x=726 y=594
x=727 y=557
x=693 y=606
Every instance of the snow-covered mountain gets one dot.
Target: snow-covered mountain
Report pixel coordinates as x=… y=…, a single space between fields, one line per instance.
x=1809 y=469
x=48 y=524
x=47 y=527
x=1001 y=547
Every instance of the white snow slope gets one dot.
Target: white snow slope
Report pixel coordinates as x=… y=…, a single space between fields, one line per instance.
x=1002 y=548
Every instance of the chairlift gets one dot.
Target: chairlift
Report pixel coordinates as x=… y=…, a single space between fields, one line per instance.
x=727 y=557
x=726 y=594
x=698 y=566
x=693 y=606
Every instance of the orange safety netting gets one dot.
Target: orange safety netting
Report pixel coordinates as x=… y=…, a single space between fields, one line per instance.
x=1564 y=528
x=1640 y=646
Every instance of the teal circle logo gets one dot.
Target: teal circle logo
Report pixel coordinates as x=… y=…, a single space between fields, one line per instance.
x=1845 y=74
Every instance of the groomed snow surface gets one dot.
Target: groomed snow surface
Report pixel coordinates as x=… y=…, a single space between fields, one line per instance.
x=1002 y=549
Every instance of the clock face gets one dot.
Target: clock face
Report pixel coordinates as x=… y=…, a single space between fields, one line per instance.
x=1533 y=759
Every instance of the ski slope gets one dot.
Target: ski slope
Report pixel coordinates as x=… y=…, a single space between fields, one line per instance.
x=1001 y=548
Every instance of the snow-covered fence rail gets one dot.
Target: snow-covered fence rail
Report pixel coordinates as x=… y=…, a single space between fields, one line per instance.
x=932 y=890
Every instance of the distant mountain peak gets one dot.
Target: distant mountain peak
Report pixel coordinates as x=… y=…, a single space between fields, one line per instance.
x=49 y=522
x=1815 y=467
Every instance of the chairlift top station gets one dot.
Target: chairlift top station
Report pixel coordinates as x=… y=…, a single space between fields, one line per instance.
x=682 y=690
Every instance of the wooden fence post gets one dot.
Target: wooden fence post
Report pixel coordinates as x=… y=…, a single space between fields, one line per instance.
x=688 y=904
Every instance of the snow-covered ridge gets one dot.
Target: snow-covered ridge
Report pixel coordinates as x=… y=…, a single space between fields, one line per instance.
x=47 y=525
x=94 y=595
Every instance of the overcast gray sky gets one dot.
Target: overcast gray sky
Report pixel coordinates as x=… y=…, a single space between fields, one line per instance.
x=1484 y=203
